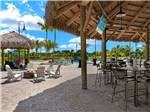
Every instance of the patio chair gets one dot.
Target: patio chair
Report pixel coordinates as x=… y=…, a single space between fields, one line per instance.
x=55 y=74
x=128 y=82
x=13 y=76
x=40 y=74
x=49 y=69
x=98 y=75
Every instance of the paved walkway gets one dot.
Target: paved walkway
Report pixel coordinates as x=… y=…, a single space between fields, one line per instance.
x=63 y=95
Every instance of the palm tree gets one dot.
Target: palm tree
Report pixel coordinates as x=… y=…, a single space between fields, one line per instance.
x=49 y=45
x=44 y=26
x=37 y=45
x=126 y=51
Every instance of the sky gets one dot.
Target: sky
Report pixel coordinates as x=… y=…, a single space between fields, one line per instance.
x=32 y=12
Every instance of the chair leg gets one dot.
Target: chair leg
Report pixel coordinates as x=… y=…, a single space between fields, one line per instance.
x=96 y=78
x=147 y=93
x=114 y=91
x=126 y=95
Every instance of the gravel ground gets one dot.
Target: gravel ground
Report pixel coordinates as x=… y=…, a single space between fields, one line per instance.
x=63 y=94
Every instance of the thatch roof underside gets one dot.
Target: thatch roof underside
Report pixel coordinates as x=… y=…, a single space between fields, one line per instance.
x=14 y=40
x=65 y=15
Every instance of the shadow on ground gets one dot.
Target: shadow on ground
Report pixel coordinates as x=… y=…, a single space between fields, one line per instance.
x=69 y=97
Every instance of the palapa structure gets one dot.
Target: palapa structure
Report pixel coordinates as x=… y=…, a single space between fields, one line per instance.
x=81 y=18
x=14 y=40
x=65 y=15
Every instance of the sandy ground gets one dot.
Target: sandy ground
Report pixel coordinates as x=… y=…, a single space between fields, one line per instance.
x=63 y=94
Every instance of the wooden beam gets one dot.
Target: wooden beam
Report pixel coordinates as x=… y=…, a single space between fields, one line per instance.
x=2 y=58
x=129 y=29
x=91 y=31
x=109 y=5
x=96 y=21
x=74 y=17
x=121 y=33
x=117 y=9
x=104 y=48
x=28 y=55
x=83 y=47
x=104 y=12
x=110 y=37
x=146 y=23
x=92 y=34
x=84 y=3
x=65 y=8
x=88 y=15
x=147 y=46
x=136 y=33
x=137 y=15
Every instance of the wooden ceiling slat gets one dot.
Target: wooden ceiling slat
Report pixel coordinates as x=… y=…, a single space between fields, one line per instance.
x=65 y=8
x=116 y=10
x=74 y=17
x=146 y=23
x=139 y=12
x=139 y=17
x=88 y=15
x=121 y=33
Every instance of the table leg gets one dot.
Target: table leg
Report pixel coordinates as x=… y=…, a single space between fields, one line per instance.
x=135 y=90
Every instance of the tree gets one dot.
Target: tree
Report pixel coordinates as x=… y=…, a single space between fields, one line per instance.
x=126 y=51
x=48 y=46
x=38 y=45
x=44 y=26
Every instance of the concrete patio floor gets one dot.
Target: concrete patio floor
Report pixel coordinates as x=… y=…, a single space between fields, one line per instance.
x=64 y=95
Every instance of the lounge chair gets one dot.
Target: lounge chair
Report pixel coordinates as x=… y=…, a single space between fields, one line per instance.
x=40 y=74
x=13 y=76
x=55 y=74
x=49 y=69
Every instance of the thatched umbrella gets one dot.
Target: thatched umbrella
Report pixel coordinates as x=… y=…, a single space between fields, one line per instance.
x=14 y=40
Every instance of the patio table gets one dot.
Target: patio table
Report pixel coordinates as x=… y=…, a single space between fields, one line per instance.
x=135 y=70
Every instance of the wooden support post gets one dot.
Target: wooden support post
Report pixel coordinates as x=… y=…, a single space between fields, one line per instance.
x=19 y=58
x=95 y=48
x=2 y=56
x=104 y=48
x=83 y=47
x=28 y=55
x=147 y=46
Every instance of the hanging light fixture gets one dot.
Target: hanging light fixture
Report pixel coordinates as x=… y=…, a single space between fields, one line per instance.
x=120 y=13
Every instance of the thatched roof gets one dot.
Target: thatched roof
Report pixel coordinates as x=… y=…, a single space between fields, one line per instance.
x=65 y=15
x=15 y=41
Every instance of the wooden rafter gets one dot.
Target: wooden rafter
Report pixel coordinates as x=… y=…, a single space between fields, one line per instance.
x=65 y=8
x=74 y=17
x=110 y=37
x=88 y=15
x=91 y=31
x=137 y=15
x=133 y=36
x=94 y=33
x=146 y=23
x=63 y=5
x=109 y=5
x=84 y=3
x=103 y=11
x=116 y=10
x=142 y=36
x=120 y=34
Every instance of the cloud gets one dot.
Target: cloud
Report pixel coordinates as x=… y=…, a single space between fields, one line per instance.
x=24 y=1
x=33 y=37
x=11 y=16
x=42 y=6
x=77 y=40
x=70 y=46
